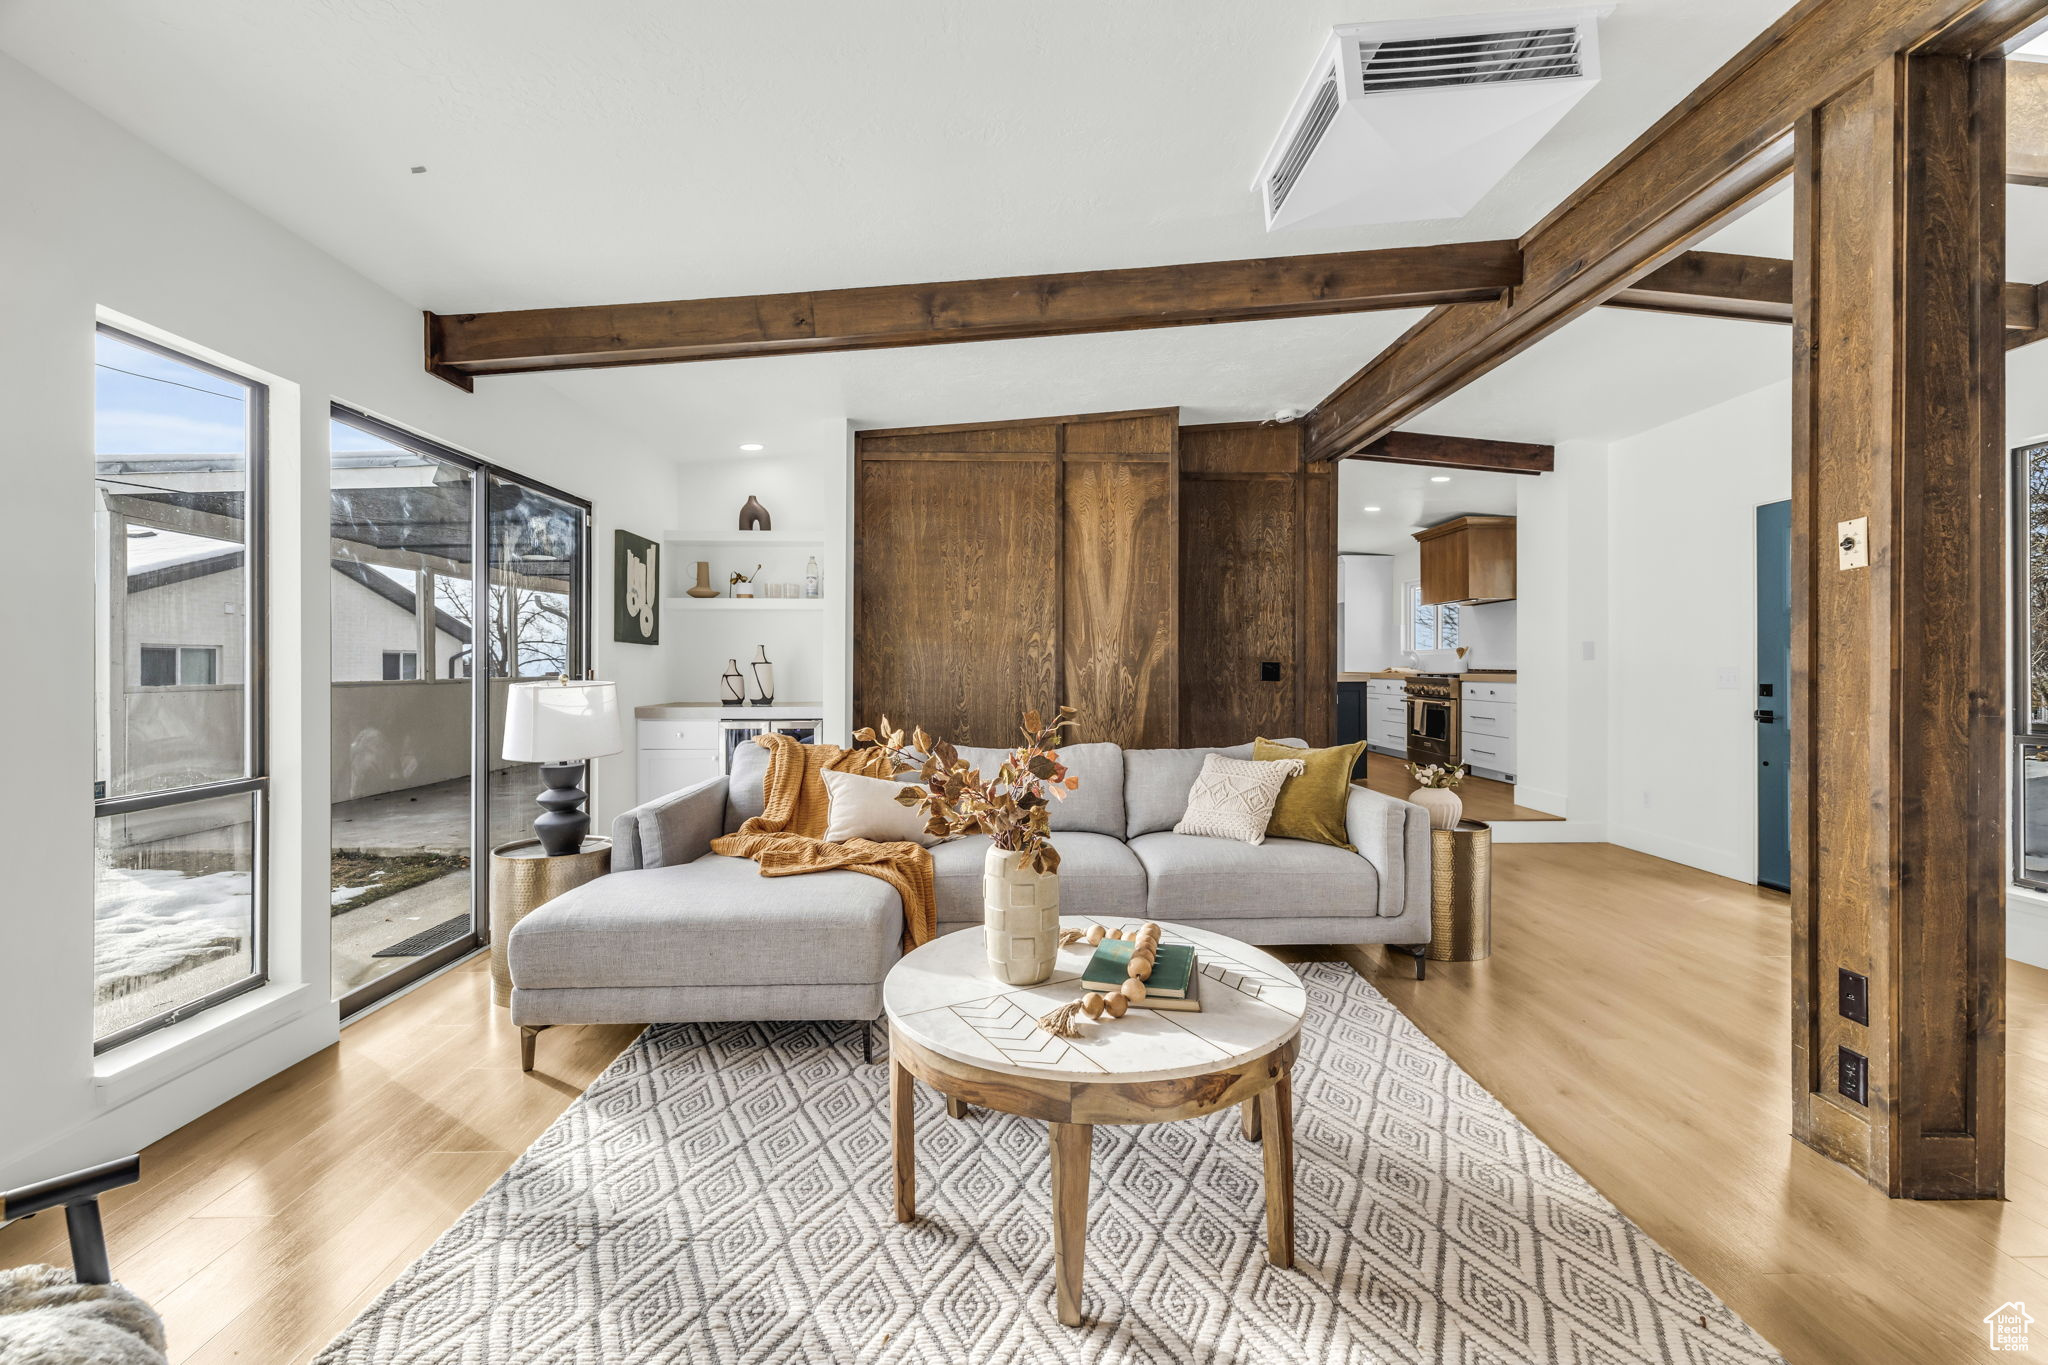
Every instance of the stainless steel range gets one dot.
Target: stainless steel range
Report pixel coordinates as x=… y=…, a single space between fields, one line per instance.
x=1432 y=718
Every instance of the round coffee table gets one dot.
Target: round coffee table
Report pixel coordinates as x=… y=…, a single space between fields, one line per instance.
x=958 y=1029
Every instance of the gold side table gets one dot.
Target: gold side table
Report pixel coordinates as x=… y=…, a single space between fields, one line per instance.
x=1461 y=892
x=522 y=880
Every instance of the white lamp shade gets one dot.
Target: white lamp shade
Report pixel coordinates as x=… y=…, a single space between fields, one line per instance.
x=555 y=722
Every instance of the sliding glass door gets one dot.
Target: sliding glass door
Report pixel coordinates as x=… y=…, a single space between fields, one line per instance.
x=537 y=626
x=446 y=574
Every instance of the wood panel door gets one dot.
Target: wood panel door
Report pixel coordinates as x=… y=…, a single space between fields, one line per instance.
x=1120 y=636
x=956 y=603
x=1258 y=551
x=1015 y=566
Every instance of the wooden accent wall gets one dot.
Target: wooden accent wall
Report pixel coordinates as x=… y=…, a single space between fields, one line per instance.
x=1013 y=566
x=1898 y=696
x=1258 y=575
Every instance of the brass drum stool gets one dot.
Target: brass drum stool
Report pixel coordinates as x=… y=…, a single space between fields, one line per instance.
x=1461 y=892
x=523 y=879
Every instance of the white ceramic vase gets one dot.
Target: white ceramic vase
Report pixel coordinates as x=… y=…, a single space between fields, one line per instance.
x=1020 y=925
x=1444 y=805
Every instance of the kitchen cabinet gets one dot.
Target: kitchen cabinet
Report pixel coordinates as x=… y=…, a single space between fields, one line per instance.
x=1471 y=559
x=1366 y=636
x=1386 y=717
x=1487 y=729
x=1351 y=719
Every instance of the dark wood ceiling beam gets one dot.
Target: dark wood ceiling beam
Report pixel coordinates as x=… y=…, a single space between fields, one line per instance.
x=1699 y=165
x=969 y=310
x=1715 y=284
x=1460 y=452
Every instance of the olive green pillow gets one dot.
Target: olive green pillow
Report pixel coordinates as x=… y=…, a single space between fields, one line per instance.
x=1311 y=806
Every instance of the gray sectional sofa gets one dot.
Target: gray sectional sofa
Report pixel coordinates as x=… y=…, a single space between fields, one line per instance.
x=677 y=933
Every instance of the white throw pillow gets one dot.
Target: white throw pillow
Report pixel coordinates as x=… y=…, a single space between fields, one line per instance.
x=1233 y=798
x=865 y=808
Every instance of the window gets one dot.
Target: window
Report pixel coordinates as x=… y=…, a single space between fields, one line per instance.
x=401 y=665
x=180 y=665
x=1430 y=627
x=179 y=785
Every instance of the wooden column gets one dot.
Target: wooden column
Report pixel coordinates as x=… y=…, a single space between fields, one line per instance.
x=1898 y=693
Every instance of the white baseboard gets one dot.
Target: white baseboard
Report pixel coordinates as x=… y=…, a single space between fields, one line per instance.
x=1535 y=798
x=1736 y=866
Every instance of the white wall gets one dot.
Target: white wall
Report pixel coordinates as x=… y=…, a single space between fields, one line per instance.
x=1562 y=633
x=1682 y=602
x=94 y=218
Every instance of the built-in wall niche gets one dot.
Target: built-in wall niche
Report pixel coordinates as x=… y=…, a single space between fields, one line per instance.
x=782 y=564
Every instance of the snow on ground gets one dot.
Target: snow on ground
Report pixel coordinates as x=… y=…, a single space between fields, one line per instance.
x=152 y=923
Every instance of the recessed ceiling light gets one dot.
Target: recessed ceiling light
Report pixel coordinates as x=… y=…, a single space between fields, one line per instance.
x=1439 y=478
x=751 y=446
x=1372 y=509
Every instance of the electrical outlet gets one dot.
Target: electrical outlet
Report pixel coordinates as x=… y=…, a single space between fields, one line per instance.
x=1853 y=992
x=1852 y=1075
x=1728 y=679
x=1586 y=650
x=1269 y=671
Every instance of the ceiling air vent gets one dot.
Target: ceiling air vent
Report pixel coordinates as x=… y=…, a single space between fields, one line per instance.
x=1420 y=118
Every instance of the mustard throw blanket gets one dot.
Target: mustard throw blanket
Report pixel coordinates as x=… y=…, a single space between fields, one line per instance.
x=784 y=838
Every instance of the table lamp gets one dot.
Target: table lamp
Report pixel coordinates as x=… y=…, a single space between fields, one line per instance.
x=560 y=725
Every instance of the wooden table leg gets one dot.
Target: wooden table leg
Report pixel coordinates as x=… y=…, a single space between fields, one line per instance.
x=956 y=1108
x=1276 y=1112
x=1070 y=1150
x=1251 y=1119
x=903 y=1138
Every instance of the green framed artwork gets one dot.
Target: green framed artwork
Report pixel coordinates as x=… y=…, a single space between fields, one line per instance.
x=636 y=590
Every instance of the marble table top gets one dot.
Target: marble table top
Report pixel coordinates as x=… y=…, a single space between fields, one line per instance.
x=944 y=998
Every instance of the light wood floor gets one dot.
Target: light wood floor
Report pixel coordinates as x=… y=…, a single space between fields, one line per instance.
x=1485 y=799
x=1633 y=1015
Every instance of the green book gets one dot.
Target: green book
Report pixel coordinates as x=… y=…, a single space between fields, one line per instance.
x=1173 y=968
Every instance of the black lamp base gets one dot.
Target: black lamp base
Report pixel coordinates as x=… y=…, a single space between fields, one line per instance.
x=564 y=822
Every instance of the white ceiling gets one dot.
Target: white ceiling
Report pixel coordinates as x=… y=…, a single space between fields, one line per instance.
x=648 y=149
x=1409 y=499
x=645 y=149
x=1766 y=230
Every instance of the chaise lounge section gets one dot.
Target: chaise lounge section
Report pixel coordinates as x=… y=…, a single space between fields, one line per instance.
x=679 y=934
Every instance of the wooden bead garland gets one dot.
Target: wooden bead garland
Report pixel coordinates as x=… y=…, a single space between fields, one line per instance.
x=1064 y=1023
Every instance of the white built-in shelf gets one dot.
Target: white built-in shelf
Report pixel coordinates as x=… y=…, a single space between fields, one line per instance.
x=737 y=538
x=744 y=603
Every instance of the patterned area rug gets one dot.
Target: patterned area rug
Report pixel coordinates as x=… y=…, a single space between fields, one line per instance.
x=722 y=1193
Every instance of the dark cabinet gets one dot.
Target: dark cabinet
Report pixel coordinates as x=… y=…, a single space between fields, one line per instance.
x=1351 y=721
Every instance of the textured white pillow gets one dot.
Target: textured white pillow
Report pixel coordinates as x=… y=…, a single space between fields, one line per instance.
x=1233 y=798
x=865 y=808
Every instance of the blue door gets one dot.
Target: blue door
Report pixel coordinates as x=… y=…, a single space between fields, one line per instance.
x=1774 y=695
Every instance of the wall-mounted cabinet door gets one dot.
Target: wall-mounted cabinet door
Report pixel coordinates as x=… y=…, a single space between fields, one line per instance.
x=1019 y=567
x=956 y=590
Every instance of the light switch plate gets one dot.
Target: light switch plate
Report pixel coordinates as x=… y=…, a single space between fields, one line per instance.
x=1852 y=538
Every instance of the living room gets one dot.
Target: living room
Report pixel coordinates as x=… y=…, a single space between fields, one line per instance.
x=700 y=1068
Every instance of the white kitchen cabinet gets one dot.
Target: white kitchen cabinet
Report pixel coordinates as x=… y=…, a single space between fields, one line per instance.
x=1487 y=729
x=1386 y=716
x=670 y=770
x=1366 y=636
